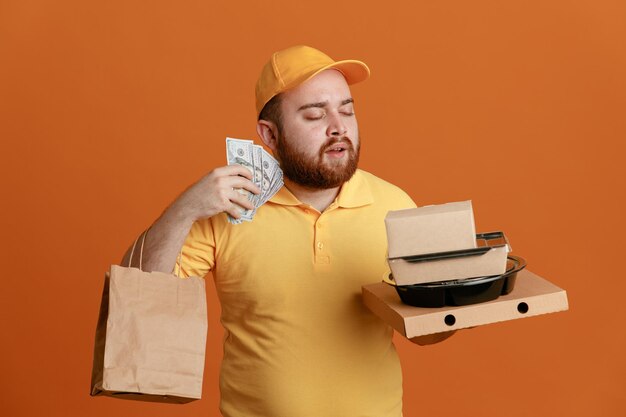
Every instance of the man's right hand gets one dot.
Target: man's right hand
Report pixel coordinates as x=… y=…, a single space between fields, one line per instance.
x=217 y=192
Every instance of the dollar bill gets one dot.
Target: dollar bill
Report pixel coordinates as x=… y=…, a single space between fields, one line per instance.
x=272 y=177
x=257 y=157
x=240 y=152
x=265 y=170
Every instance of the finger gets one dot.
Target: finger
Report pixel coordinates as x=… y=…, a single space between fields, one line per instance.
x=234 y=170
x=234 y=211
x=246 y=184
x=241 y=200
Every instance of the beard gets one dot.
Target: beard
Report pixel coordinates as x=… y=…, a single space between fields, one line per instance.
x=317 y=172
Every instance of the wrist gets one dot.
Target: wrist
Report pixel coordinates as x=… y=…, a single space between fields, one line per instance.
x=181 y=213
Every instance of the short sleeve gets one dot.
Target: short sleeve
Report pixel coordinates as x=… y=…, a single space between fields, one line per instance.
x=197 y=256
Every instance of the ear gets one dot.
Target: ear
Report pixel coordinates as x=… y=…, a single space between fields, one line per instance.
x=268 y=132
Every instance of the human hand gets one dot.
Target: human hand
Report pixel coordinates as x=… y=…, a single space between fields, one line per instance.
x=217 y=192
x=430 y=339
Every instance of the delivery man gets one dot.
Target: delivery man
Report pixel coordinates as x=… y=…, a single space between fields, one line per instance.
x=298 y=340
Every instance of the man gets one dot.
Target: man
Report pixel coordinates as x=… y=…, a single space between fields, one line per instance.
x=299 y=341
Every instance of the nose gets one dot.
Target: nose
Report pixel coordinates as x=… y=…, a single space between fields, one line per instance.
x=336 y=127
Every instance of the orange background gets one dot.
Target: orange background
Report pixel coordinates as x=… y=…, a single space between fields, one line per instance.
x=110 y=109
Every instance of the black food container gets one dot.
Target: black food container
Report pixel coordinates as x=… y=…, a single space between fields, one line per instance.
x=463 y=291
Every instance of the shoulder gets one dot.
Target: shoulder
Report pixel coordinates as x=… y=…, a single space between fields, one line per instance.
x=386 y=192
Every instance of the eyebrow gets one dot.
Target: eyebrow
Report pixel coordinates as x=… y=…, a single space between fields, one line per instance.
x=324 y=104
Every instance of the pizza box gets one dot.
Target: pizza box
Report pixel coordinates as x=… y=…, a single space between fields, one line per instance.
x=532 y=296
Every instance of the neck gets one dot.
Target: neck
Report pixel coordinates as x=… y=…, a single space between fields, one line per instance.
x=316 y=198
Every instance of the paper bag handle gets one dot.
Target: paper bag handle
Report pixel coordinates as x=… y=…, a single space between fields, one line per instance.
x=132 y=251
x=143 y=239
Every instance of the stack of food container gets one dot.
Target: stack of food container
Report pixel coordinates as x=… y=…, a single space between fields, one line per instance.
x=437 y=258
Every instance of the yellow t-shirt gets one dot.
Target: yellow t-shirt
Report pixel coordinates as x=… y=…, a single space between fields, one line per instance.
x=299 y=341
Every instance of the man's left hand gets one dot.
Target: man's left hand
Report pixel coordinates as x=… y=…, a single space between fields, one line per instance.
x=430 y=339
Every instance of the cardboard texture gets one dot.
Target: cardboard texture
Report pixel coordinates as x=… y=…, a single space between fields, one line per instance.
x=531 y=296
x=492 y=262
x=444 y=230
x=151 y=337
x=431 y=229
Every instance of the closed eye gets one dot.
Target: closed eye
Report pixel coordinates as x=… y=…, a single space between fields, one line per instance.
x=314 y=114
x=347 y=107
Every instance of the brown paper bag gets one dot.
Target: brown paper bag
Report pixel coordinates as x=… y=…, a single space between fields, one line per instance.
x=150 y=337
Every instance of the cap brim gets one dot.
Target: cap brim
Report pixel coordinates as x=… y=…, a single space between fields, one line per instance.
x=354 y=71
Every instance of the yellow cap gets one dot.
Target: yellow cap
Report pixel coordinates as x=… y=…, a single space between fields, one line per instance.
x=292 y=66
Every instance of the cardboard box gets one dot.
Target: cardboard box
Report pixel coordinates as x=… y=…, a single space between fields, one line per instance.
x=446 y=266
x=430 y=229
x=531 y=296
x=434 y=243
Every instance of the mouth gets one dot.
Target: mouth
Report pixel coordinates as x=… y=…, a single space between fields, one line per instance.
x=337 y=149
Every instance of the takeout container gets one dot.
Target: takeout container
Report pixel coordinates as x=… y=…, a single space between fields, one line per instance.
x=461 y=292
x=486 y=259
x=454 y=277
x=439 y=243
x=430 y=229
